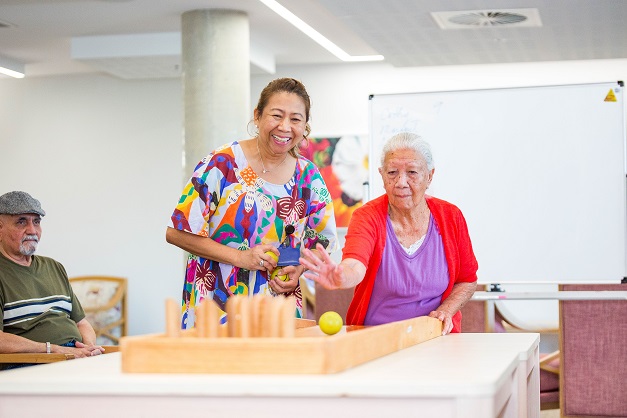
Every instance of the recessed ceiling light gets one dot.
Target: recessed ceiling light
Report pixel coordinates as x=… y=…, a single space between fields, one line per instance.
x=315 y=35
x=11 y=68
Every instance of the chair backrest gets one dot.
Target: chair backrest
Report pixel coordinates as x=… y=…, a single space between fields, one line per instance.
x=309 y=298
x=104 y=301
x=332 y=300
x=593 y=365
x=475 y=316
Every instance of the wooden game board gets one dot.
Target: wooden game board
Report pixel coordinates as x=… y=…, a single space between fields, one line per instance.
x=263 y=337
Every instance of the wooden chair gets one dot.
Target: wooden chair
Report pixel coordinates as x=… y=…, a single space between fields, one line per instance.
x=104 y=301
x=309 y=298
x=550 y=380
x=592 y=365
x=475 y=316
x=332 y=300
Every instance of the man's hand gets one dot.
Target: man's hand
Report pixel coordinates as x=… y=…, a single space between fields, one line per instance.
x=81 y=350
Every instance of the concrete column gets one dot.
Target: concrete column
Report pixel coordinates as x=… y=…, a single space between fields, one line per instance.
x=216 y=81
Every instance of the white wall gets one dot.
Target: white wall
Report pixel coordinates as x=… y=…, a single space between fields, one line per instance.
x=104 y=155
x=104 y=158
x=339 y=94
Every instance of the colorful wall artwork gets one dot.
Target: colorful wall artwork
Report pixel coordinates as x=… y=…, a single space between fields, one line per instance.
x=343 y=163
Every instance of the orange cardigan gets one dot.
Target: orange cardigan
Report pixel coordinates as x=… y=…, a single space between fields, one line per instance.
x=365 y=241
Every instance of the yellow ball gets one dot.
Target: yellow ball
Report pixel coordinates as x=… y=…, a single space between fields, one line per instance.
x=330 y=322
x=273 y=255
x=276 y=274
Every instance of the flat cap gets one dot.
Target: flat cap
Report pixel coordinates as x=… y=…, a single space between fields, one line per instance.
x=17 y=203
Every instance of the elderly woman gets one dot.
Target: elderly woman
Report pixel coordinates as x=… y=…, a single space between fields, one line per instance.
x=407 y=253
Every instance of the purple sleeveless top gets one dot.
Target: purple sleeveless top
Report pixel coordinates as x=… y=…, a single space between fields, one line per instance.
x=407 y=286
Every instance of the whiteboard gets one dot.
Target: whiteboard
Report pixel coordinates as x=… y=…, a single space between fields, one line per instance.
x=539 y=173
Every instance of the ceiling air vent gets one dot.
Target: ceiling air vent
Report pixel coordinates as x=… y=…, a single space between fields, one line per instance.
x=474 y=19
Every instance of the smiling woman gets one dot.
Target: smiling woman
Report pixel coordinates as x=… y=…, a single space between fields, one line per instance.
x=235 y=213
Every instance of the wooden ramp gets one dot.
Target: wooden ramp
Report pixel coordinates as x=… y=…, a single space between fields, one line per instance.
x=264 y=337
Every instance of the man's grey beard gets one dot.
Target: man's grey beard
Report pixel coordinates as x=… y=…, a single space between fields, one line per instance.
x=29 y=248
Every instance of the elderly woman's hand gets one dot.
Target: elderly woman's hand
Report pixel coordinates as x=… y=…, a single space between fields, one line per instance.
x=446 y=318
x=321 y=268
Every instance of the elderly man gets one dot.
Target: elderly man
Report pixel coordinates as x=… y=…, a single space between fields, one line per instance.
x=39 y=311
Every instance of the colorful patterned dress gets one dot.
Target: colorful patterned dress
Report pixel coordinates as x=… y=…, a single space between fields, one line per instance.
x=227 y=201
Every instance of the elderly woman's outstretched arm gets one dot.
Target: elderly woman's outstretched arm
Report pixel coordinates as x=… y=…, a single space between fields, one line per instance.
x=321 y=269
x=460 y=294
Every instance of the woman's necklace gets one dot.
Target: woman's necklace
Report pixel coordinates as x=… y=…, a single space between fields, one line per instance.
x=264 y=171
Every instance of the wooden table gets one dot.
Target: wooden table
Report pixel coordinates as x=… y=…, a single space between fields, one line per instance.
x=459 y=375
